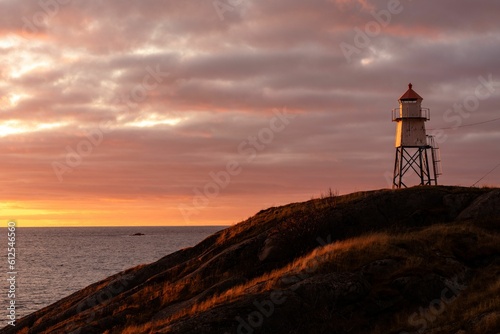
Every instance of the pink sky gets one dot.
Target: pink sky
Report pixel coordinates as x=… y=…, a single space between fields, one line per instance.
x=294 y=95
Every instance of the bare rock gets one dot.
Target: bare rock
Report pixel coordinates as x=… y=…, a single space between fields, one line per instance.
x=332 y=289
x=487 y=205
x=455 y=203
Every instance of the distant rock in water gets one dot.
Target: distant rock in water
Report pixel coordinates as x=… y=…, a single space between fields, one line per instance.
x=424 y=259
x=138 y=233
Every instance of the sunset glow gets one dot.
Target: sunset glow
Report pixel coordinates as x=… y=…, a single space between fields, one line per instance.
x=180 y=113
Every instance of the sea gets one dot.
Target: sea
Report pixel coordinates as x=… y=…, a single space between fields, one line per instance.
x=52 y=263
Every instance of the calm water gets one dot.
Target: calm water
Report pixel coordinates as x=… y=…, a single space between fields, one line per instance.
x=55 y=262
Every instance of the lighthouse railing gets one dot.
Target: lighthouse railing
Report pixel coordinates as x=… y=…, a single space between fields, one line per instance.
x=398 y=114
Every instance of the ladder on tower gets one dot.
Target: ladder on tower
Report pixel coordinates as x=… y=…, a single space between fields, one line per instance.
x=436 y=156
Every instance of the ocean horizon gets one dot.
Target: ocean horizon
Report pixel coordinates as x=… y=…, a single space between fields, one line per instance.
x=54 y=262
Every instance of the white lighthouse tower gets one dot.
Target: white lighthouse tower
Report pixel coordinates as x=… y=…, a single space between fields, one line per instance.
x=413 y=145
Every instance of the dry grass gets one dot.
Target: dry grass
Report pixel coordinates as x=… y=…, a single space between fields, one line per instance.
x=341 y=256
x=479 y=306
x=387 y=240
x=144 y=328
x=351 y=254
x=419 y=251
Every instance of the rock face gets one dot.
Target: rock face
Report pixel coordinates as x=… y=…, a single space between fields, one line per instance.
x=486 y=205
x=405 y=261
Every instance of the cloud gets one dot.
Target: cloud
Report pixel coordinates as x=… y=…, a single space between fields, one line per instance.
x=69 y=66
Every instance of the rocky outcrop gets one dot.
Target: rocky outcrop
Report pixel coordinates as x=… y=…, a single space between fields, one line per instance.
x=384 y=261
x=486 y=205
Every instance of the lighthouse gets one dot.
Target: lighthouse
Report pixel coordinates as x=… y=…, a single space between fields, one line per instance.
x=415 y=150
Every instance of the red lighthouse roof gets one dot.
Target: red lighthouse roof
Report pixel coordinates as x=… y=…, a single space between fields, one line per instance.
x=410 y=94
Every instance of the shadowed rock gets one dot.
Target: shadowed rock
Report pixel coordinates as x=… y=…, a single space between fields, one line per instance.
x=371 y=262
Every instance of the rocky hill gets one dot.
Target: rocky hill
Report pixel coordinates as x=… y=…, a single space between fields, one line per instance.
x=424 y=259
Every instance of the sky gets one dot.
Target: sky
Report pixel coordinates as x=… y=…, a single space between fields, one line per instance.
x=202 y=112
